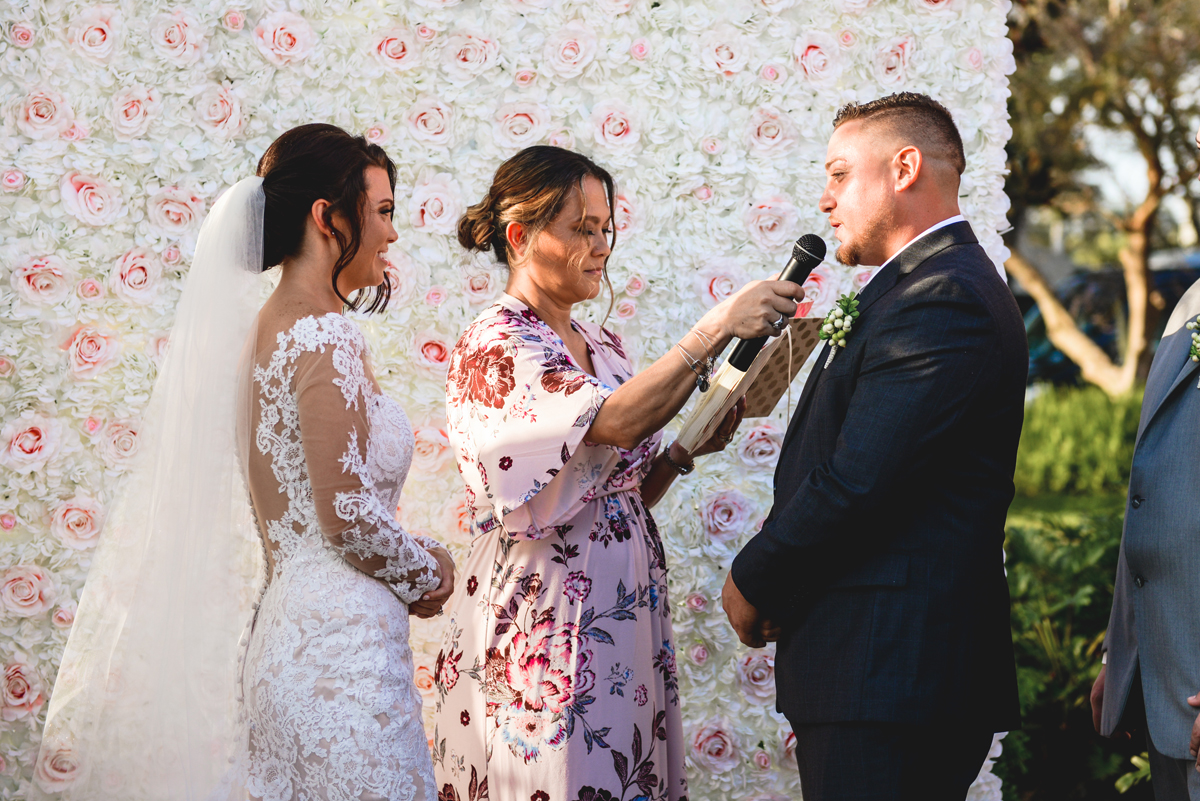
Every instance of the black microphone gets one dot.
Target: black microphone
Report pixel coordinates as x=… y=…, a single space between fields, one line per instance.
x=807 y=253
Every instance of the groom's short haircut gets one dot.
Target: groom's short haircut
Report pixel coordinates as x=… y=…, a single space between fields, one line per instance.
x=917 y=119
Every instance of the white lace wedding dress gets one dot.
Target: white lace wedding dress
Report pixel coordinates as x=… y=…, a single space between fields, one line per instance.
x=327 y=679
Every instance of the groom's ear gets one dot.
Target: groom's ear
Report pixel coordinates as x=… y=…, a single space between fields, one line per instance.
x=906 y=167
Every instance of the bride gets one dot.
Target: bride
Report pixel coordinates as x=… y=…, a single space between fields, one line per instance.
x=156 y=697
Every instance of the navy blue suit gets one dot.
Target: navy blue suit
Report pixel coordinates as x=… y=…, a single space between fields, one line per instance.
x=882 y=555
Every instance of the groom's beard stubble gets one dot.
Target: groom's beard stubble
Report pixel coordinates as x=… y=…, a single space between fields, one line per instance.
x=853 y=252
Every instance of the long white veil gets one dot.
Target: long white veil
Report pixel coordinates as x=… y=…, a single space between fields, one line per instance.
x=145 y=703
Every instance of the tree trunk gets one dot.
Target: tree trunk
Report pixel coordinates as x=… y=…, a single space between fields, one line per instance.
x=1135 y=264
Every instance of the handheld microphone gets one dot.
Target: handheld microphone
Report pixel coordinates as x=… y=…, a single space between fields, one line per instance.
x=807 y=253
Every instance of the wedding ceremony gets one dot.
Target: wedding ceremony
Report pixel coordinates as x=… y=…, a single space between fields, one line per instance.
x=599 y=400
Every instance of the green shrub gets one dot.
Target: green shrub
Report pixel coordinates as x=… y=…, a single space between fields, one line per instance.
x=1078 y=441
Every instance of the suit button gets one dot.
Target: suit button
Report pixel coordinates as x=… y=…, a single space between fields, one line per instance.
x=1139 y=581
x=1136 y=501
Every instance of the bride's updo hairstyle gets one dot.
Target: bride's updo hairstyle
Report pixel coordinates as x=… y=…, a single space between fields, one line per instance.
x=320 y=162
x=530 y=188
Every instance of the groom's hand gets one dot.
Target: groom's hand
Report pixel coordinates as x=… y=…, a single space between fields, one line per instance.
x=742 y=615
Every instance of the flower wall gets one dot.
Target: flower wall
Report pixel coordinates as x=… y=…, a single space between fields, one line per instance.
x=120 y=124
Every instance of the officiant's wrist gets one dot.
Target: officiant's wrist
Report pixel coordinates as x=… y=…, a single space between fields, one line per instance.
x=678 y=459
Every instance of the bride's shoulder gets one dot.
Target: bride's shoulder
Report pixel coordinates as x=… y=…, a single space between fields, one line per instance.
x=319 y=331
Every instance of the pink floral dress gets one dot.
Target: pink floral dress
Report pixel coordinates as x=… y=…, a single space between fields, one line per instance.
x=556 y=680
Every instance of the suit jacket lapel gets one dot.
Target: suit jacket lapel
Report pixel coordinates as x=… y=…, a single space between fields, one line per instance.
x=1161 y=384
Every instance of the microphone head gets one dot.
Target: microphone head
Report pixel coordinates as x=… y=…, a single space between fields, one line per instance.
x=809 y=249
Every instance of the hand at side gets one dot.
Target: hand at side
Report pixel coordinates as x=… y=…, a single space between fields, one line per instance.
x=431 y=603
x=752 y=628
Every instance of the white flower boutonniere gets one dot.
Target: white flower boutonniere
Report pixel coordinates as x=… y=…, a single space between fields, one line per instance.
x=838 y=324
x=1194 y=350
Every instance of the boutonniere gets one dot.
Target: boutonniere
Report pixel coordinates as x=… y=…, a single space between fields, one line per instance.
x=838 y=324
x=1194 y=350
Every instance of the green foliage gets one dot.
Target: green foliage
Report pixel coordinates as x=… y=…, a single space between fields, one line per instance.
x=1077 y=440
x=1061 y=565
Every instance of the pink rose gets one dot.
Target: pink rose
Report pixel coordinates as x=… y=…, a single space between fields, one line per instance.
x=570 y=49
x=156 y=348
x=8 y=521
x=44 y=114
x=718 y=281
x=635 y=286
x=91 y=425
x=89 y=199
x=42 y=280
x=174 y=210
x=7 y=367
x=861 y=277
x=378 y=134
x=625 y=309
x=817 y=58
x=938 y=8
x=23 y=691
x=703 y=193
x=725 y=514
x=756 y=676
x=436 y=295
x=479 y=288
x=219 y=112
x=77 y=522
x=29 y=442
x=233 y=20
x=626 y=218
x=27 y=590
x=22 y=35
x=711 y=145
x=761 y=760
x=431 y=446
x=714 y=748
x=696 y=601
x=773 y=73
x=614 y=127
x=397 y=49
x=525 y=77
x=89 y=289
x=93 y=33
x=431 y=352
x=467 y=55
x=640 y=49
x=435 y=206
x=771 y=131
x=133 y=109
x=457 y=518
x=771 y=223
x=426 y=34
x=562 y=138
x=177 y=37
x=76 y=133
x=846 y=38
x=821 y=290
x=892 y=59
x=521 y=124
x=724 y=50
x=577 y=587
x=135 y=277
x=171 y=255
x=64 y=615
x=12 y=180
x=698 y=653
x=401 y=275
x=284 y=38
x=972 y=58
x=119 y=443
x=430 y=120
x=789 y=746
x=57 y=767
x=91 y=351
x=760 y=446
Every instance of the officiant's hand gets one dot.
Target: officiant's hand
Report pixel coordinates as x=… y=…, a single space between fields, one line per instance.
x=431 y=603
x=1194 y=746
x=744 y=618
x=724 y=433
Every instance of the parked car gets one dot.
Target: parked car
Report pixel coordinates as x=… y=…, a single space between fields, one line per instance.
x=1096 y=299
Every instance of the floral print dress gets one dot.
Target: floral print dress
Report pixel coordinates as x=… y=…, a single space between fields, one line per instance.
x=556 y=680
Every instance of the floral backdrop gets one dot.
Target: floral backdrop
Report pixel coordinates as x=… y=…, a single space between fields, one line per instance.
x=121 y=123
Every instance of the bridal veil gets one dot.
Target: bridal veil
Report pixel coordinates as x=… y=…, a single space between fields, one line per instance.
x=145 y=703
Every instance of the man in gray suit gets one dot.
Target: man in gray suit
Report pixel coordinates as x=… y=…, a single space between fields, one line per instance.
x=1152 y=650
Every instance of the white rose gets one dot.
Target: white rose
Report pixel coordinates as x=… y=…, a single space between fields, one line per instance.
x=892 y=59
x=177 y=37
x=480 y=288
x=724 y=50
x=135 y=276
x=77 y=522
x=854 y=7
x=284 y=38
x=219 y=111
x=771 y=223
x=133 y=109
x=94 y=33
x=718 y=279
x=570 y=49
x=771 y=131
x=818 y=58
x=90 y=199
x=29 y=442
x=946 y=9
x=91 y=351
x=44 y=114
x=435 y=206
x=521 y=124
x=27 y=590
x=429 y=120
x=64 y=615
x=401 y=276
x=398 y=48
x=467 y=55
x=431 y=447
x=42 y=280
x=119 y=443
x=174 y=210
x=57 y=767
x=614 y=127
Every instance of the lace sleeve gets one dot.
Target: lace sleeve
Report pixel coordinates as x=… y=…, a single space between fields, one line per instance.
x=333 y=397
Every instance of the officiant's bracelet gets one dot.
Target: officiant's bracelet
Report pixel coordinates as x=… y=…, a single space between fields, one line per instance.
x=681 y=469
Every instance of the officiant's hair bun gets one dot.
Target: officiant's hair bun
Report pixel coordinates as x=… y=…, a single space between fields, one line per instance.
x=320 y=162
x=530 y=188
x=918 y=119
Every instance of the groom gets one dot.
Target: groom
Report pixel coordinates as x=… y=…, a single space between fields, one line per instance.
x=880 y=568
